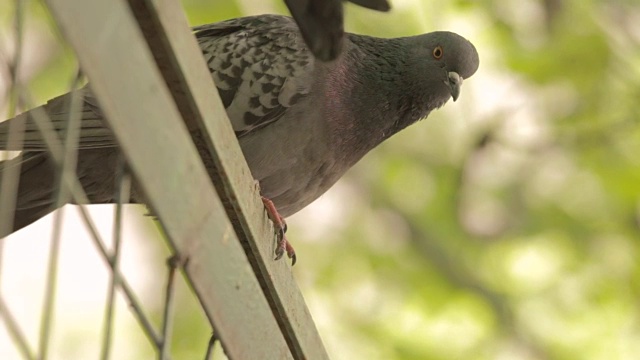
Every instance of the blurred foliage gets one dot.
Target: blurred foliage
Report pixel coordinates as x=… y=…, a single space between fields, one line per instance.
x=506 y=226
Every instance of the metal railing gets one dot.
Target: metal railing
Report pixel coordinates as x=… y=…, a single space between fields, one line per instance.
x=155 y=90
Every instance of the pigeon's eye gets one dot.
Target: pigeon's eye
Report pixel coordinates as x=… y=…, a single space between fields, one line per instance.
x=437 y=52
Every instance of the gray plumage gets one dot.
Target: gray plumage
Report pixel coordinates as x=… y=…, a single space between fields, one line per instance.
x=301 y=123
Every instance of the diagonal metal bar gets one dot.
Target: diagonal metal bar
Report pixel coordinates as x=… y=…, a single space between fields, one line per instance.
x=78 y=195
x=67 y=166
x=10 y=175
x=50 y=287
x=210 y=345
x=170 y=173
x=167 y=317
x=183 y=68
x=9 y=179
x=14 y=331
x=123 y=192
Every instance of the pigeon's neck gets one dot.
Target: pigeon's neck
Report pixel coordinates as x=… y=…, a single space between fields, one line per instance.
x=381 y=96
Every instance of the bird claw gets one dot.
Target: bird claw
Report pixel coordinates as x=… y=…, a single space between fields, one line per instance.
x=285 y=245
x=281 y=227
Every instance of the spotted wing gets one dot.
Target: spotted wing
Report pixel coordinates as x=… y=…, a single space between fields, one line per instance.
x=260 y=66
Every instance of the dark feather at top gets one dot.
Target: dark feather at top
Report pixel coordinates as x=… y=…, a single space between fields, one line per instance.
x=322 y=25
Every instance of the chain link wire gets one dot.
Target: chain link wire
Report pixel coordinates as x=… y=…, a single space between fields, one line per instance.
x=62 y=150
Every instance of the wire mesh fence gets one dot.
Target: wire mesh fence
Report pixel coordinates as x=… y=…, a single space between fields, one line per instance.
x=236 y=291
x=64 y=155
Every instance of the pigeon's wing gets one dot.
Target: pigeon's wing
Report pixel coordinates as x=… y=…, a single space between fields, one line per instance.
x=260 y=66
x=321 y=23
x=93 y=131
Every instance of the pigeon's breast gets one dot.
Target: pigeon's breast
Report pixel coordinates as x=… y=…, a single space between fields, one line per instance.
x=294 y=158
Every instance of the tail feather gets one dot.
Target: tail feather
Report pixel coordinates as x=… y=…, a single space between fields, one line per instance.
x=35 y=189
x=94 y=133
x=38 y=174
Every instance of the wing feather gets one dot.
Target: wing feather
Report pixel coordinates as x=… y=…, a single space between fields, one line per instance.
x=259 y=64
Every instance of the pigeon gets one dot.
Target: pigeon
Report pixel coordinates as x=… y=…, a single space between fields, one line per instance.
x=321 y=23
x=301 y=123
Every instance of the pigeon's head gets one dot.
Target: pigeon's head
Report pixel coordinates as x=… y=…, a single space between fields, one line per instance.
x=444 y=59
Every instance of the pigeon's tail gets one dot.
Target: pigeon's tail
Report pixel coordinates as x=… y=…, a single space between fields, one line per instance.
x=55 y=115
x=24 y=125
x=35 y=171
x=36 y=183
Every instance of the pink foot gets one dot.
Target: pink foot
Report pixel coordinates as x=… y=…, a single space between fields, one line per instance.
x=281 y=227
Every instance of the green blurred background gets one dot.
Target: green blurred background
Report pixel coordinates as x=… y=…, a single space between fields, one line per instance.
x=506 y=226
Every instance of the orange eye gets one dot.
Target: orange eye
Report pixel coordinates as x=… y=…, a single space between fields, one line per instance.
x=437 y=52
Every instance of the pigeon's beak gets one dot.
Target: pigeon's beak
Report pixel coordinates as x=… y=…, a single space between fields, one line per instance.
x=454 y=83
